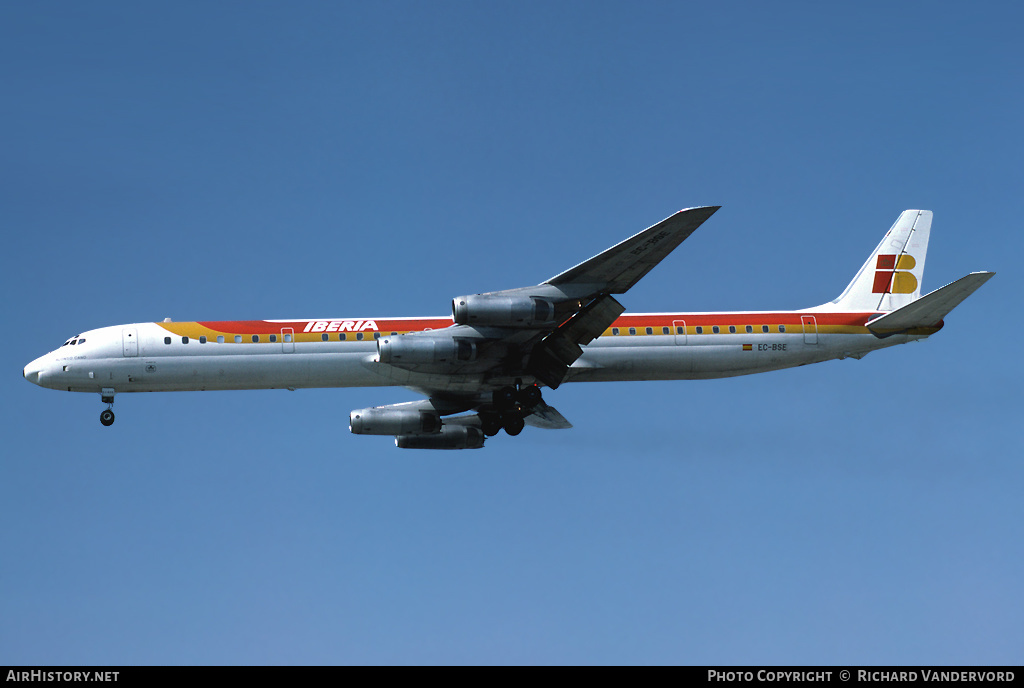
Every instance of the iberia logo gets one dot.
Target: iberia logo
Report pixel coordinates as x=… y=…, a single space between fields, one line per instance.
x=892 y=276
x=340 y=326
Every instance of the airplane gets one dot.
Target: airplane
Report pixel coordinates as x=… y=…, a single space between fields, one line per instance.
x=483 y=369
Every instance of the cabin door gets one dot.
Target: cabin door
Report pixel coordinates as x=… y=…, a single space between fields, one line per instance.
x=810 y=329
x=679 y=330
x=130 y=341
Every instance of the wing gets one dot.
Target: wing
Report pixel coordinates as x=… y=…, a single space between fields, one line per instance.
x=504 y=344
x=613 y=271
x=617 y=269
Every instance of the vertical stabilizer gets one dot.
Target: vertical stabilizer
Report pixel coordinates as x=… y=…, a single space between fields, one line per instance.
x=891 y=277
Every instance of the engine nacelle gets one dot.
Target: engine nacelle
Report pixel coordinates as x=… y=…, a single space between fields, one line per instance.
x=405 y=350
x=502 y=311
x=393 y=421
x=450 y=437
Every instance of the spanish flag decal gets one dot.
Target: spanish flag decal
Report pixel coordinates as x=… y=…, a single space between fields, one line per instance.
x=748 y=347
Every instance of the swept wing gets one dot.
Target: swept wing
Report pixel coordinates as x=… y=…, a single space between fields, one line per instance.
x=503 y=344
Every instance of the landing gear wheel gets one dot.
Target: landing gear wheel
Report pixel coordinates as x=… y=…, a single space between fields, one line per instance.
x=504 y=398
x=490 y=424
x=107 y=418
x=529 y=397
x=514 y=425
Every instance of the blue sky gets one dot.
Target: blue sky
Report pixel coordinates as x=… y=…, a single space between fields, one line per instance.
x=272 y=160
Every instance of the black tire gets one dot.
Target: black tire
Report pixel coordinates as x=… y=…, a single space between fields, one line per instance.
x=514 y=425
x=504 y=398
x=529 y=396
x=107 y=418
x=490 y=423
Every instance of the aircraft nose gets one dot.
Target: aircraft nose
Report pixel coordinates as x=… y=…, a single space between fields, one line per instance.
x=33 y=372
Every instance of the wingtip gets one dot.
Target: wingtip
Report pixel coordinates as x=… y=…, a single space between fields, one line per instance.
x=711 y=208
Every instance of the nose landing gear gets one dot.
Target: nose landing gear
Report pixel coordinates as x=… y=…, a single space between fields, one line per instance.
x=107 y=397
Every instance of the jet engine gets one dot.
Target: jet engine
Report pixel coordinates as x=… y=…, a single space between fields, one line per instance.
x=450 y=437
x=408 y=350
x=502 y=311
x=393 y=421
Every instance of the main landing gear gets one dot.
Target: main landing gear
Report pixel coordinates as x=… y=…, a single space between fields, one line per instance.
x=107 y=416
x=512 y=405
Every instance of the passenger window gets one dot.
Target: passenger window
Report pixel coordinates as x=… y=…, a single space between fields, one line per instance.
x=615 y=330
x=764 y=328
x=238 y=339
x=394 y=334
x=359 y=336
x=376 y=335
x=202 y=339
x=184 y=340
x=323 y=337
x=220 y=339
x=750 y=329
x=664 y=330
x=699 y=329
x=632 y=330
x=342 y=337
x=680 y=329
x=782 y=328
x=273 y=337
x=649 y=330
x=287 y=337
x=167 y=340
x=714 y=329
x=732 y=329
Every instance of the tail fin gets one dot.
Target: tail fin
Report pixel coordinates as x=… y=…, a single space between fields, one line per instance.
x=891 y=278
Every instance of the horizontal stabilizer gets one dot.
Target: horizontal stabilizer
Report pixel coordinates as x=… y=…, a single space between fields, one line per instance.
x=547 y=417
x=930 y=309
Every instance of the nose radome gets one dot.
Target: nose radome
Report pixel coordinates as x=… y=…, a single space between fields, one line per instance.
x=32 y=372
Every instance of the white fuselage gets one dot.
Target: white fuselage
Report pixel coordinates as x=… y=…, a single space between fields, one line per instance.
x=161 y=357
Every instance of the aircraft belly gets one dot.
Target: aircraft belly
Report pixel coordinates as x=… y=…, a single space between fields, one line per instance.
x=91 y=375
x=610 y=363
x=723 y=356
x=263 y=371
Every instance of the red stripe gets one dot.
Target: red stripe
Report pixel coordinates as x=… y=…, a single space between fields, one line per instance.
x=265 y=327
x=738 y=319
